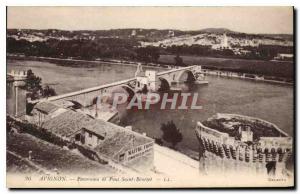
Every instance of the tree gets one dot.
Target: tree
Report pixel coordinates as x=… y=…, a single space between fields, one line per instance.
x=148 y=54
x=171 y=133
x=48 y=91
x=33 y=84
x=178 y=61
x=159 y=141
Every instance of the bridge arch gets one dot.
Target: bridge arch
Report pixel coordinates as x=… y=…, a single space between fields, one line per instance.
x=186 y=76
x=123 y=88
x=129 y=90
x=164 y=85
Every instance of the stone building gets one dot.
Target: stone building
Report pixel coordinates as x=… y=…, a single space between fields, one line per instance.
x=236 y=144
x=111 y=144
x=43 y=111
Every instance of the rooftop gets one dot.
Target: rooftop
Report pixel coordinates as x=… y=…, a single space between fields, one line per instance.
x=231 y=123
x=122 y=140
x=116 y=139
x=104 y=112
x=46 y=107
x=69 y=122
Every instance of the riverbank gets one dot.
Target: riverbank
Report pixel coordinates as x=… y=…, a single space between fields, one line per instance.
x=74 y=62
x=245 y=76
x=206 y=70
x=278 y=69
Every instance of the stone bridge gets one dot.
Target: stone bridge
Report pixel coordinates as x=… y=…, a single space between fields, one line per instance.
x=87 y=97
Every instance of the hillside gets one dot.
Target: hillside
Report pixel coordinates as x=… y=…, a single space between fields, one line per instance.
x=149 y=34
x=147 y=45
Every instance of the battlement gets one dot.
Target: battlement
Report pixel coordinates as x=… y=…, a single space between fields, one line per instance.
x=227 y=139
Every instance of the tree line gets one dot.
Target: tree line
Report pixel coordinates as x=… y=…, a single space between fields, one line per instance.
x=130 y=49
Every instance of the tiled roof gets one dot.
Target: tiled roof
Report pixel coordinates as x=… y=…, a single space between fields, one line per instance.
x=69 y=122
x=116 y=138
x=121 y=140
x=46 y=107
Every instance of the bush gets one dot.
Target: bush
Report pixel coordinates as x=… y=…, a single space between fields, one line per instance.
x=171 y=133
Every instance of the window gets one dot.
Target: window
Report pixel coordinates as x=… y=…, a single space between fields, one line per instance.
x=77 y=137
x=122 y=156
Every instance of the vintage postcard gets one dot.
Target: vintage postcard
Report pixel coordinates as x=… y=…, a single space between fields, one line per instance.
x=150 y=97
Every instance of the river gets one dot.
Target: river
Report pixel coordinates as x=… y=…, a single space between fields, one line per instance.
x=267 y=101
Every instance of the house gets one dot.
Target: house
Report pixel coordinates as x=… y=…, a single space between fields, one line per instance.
x=125 y=146
x=109 y=142
x=79 y=128
x=43 y=111
x=128 y=148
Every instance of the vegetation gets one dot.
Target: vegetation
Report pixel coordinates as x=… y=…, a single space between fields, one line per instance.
x=128 y=48
x=48 y=136
x=262 y=52
x=178 y=61
x=120 y=44
x=80 y=49
x=48 y=91
x=33 y=84
x=260 y=67
x=159 y=141
x=259 y=129
x=171 y=133
x=148 y=54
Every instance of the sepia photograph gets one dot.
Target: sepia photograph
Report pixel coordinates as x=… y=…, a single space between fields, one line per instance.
x=150 y=97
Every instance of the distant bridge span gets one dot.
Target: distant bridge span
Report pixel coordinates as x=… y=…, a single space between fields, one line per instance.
x=86 y=96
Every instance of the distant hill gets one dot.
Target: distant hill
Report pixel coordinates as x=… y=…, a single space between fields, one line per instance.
x=217 y=31
x=142 y=32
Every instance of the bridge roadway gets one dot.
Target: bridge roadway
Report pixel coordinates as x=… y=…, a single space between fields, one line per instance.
x=86 y=96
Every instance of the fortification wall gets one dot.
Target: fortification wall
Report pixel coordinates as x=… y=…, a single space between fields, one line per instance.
x=221 y=153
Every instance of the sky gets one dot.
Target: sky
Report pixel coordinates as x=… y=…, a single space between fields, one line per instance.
x=271 y=20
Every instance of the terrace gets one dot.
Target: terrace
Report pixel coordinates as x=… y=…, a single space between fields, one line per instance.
x=234 y=124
